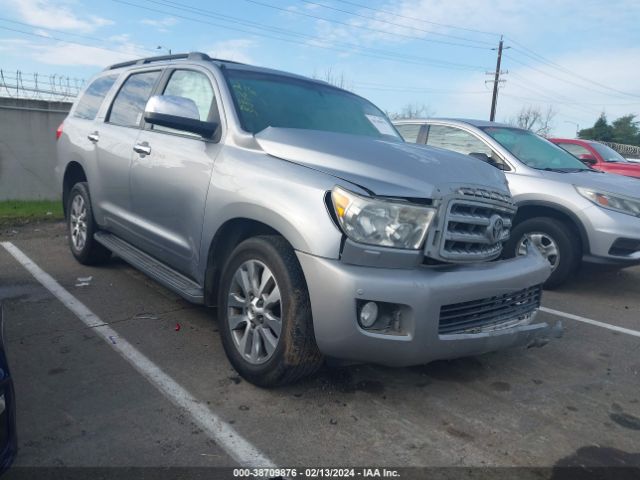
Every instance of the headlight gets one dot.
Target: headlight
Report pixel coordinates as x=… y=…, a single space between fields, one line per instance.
x=618 y=203
x=381 y=222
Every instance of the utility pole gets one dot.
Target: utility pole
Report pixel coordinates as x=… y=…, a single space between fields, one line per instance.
x=496 y=80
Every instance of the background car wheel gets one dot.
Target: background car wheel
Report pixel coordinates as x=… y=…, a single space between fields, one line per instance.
x=82 y=226
x=265 y=313
x=554 y=240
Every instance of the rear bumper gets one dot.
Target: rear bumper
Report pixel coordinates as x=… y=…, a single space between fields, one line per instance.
x=335 y=289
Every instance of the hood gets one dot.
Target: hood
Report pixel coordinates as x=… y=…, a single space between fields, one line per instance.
x=604 y=182
x=386 y=168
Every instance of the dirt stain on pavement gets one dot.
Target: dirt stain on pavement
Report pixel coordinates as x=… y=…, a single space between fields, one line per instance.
x=592 y=462
x=626 y=420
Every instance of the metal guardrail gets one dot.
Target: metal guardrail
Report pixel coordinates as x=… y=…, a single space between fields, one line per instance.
x=35 y=86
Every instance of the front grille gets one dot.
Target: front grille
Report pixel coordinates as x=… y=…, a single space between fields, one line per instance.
x=489 y=313
x=476 y=225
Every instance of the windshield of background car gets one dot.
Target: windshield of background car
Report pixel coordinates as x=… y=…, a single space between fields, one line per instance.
x=608 y=154
x=268 y=100
x=533 y=150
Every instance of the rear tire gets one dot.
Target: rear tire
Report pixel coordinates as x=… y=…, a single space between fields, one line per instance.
x=550 y=235
x=81 y=227
x=265 y=313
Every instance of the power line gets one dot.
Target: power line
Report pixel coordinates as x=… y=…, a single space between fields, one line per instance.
x=388 y=12
x=355 y=14
x=539 y=58
x=317 y=42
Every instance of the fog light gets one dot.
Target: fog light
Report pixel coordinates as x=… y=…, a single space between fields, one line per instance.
x=368 y=314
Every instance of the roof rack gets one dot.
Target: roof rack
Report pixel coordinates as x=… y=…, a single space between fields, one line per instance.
x=161 y=58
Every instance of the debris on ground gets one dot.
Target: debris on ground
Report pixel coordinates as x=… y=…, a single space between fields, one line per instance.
x=145 y=316
x=113 y=339
x=177 y=327
x=83 y=281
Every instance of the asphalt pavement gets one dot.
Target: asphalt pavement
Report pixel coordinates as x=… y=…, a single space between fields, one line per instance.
x=81 y=403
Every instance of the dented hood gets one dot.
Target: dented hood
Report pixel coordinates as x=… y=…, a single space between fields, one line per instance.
x=384 y=167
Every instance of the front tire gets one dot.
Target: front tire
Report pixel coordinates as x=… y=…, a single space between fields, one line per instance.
x=554 y=239
x=265 y=313
x=81 y=226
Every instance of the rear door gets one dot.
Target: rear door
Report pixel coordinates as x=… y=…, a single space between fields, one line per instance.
x=115 y=139
x=169 y=184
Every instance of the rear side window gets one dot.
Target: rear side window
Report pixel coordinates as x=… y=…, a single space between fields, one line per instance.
x=409 y=131
x=93 y=96
x=128 y=106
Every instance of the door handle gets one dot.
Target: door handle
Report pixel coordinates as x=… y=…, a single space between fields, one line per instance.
x=94 y=137
x=142 y=148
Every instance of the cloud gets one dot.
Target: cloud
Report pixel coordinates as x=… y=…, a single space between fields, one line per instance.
x=59 y=14
x=161 y=24
x=67 y=54
x=235 y=49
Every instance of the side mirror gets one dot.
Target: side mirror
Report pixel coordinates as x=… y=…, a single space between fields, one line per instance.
x=587 y=159
x=179 y=113
x=487 y=159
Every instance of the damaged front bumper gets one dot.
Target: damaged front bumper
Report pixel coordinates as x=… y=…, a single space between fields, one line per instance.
x=434 y=312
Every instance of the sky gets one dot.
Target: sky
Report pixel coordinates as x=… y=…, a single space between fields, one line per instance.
x=579 y=57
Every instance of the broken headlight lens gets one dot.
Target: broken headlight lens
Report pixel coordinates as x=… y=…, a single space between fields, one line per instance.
x=385 y=223
x=618 y=203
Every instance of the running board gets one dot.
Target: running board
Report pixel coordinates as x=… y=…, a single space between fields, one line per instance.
x=183 y=286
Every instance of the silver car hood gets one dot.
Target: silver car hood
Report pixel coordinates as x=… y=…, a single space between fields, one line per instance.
x=386 y=168
x=604 y=182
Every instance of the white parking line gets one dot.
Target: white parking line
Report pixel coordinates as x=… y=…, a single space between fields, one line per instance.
x=578 y=318
x=221 y=432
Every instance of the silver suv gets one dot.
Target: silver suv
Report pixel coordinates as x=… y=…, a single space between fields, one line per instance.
x=297 y=209
x=571 y=212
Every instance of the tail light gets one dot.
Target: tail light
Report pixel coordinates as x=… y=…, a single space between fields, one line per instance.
x=59 y=131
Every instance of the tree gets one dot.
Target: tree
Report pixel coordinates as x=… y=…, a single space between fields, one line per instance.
x=412 y=110
x=534 y=119
x=601 y=130
x=625 y=130
x=336 y=79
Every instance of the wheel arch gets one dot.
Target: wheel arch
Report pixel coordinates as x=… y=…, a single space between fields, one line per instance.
x=73 y=173
x=531 y=209
x=227 y=237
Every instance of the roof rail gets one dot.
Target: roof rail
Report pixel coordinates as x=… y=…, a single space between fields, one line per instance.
x=161 y=58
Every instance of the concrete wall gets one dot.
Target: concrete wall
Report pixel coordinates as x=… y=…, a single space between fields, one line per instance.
x=27 y=148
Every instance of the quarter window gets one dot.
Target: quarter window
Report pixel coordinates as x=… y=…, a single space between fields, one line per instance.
x=93 y=96
x=128 y=107
x=409 y=131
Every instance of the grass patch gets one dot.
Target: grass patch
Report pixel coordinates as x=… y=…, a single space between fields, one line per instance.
x=22 y=211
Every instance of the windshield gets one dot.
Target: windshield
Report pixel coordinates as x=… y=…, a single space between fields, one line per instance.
x=533 y=150
x=267 y=100
x=608 y=154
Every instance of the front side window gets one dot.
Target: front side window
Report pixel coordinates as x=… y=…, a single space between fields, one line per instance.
x=194 y=86
x=268 y=100
x=409 y=131
x=533 y=150
x=90 y=102
x=574 y=149
x=452 y=138
x=609 y=154
x=128 y=107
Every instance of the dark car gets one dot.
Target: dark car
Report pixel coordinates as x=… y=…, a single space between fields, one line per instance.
x=8 y=437
x=599 y=156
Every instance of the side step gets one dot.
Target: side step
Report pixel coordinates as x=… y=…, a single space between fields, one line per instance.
x=183 y=286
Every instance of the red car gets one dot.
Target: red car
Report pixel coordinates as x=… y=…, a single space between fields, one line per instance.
x=599 y=156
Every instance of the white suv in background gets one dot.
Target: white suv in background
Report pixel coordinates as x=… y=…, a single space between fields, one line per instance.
x=571 y=212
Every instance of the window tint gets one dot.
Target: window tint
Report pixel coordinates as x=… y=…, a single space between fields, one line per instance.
x=192 y=85
x=92 y=98
x=409 y=132
x=128 y=106
x=575 y=150
x=455 y=139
